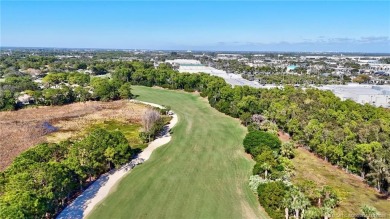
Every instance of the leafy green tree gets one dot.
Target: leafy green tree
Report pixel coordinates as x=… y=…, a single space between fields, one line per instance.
x=266 y=167
x=82 y=94
x=363 y=153
x=287 y=149
x=93 y=147
x=125 y=91
x=327 y=211
x=122 y=149
x=123 y=74
x=245 y=118
x=78 y=78
x=265 y=162
x=58 y=96
x=287 y=165
x=10 y=210
x=99 y=70
x=297 y=201
x=18 y=84
x=271 y=198
x=109 y=153
x=312 y=213
x=7 y=100
x=249 y=104
x=81 y=65
x=103 y=89
x=379 y=173
x=55 y=78
x=259 y=139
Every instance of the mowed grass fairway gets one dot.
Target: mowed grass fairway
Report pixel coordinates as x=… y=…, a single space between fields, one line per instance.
x=202 y=173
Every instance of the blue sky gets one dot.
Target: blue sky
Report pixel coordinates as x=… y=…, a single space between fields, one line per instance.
x=350 y=26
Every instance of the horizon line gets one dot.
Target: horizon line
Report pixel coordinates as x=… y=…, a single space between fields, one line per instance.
x=186 y=50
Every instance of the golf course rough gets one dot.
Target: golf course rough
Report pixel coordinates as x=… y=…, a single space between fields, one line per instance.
x=201 y=173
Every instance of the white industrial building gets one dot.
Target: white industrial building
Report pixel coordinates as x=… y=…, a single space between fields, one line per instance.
x=183 y=62
x=194 y=66
x=380 y=67
x=374 y=95
x=371 y=94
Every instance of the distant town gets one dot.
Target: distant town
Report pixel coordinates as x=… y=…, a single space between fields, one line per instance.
x=364 y=78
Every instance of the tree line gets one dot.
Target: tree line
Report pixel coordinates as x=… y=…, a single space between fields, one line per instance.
x=61 y=88
x=272 y=177
x=353 y=136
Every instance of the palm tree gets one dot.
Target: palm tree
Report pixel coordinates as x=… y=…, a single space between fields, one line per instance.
x=317 y=194
x=286 y=205
x=287 y=150
x=312 y=213
x=379 y=172
x=369 y=211
x=266 y=167
x=327 y=211
x=329 y=202
x=297 y=201
x=326 y=193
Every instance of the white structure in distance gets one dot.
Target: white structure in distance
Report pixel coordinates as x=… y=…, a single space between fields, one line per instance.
x=377 y=95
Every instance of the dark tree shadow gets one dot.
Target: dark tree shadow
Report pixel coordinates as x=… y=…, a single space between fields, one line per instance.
x=383 y=196
x=76 y=209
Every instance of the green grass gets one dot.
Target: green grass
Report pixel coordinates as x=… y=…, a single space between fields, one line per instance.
x=201 y=173
x=353 y=192
x=108 y=75
x=130 y=131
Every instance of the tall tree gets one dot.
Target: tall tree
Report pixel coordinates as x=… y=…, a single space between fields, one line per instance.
x=297 y=201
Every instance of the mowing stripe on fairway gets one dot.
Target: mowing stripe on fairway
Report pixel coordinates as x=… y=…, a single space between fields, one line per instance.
x=201 y=173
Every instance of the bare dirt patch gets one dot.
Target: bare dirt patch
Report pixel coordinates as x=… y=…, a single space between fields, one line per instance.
x=25 y=128
x=283 y=137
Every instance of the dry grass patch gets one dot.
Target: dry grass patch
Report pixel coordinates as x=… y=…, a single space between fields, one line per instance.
x=352 y=190
x=25 y=128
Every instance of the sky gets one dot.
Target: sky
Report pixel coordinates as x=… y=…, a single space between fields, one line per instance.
x=306 y=26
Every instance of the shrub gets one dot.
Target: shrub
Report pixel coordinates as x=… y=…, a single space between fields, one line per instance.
x=271 y=198
x=254 y=182
x=256 y=140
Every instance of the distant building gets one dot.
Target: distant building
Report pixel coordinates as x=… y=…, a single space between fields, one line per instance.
x=370 y=94
x=380 y=67
x=183 y=61
x=229 y=56
x=291 y=68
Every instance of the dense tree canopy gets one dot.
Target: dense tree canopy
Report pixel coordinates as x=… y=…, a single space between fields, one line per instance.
x=104 y=89
x=332 y=128
x=41 y=180
x=260 y=140
x=7 y=100
x=271 y=196
x=355 y=137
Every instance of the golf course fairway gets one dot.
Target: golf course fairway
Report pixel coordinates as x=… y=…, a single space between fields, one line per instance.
x=201 y=173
